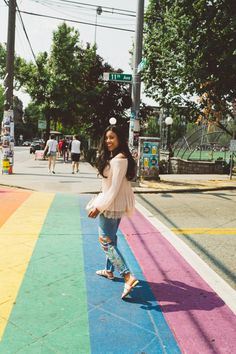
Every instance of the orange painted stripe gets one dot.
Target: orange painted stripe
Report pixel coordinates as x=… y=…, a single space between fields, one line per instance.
x=10 y=200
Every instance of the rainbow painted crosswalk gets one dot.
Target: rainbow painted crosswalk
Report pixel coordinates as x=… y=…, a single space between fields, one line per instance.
x=51 y=301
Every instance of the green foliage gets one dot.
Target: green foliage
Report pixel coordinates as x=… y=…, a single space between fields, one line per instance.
x=151 y=127
x=190 y=47
x=2 y=60
x=65 y=84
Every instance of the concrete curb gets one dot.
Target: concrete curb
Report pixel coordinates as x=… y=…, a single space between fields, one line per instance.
x=185 y=190
x=147 y=190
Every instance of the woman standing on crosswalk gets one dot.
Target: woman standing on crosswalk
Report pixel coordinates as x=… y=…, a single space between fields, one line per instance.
x=117 y=167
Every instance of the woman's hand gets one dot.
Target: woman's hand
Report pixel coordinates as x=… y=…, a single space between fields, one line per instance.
x=93 y=213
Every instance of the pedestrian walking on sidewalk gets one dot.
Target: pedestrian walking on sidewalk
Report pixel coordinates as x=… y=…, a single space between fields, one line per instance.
x=75 y=153
x=65 y=150
x=51 y=149
x=117 y=167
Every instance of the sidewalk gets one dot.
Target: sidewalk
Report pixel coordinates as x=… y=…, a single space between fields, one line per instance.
x=188 y=183
x=32 y=174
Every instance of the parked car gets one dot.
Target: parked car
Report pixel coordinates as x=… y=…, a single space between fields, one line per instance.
x=36 y=145
x=26 y=143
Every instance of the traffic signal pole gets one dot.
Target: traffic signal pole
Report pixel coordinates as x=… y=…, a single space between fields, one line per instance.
x=134 y=128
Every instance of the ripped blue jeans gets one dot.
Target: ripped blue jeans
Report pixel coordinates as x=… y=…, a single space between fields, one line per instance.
x=108 y=240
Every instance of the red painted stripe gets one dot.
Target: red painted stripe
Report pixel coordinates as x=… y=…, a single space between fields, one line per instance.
x=10 y=200
x=199 y=319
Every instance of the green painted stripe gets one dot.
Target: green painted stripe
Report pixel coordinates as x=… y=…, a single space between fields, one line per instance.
x=18 y=237
x=50 y=314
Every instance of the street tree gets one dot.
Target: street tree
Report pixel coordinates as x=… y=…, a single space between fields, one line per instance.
x=190 y=47
x=67 y=85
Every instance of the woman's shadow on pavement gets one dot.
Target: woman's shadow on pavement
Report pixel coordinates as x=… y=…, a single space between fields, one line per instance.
x=174 y=296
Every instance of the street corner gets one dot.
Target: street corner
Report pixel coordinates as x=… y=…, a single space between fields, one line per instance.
x=177 y=183
x=168 y=185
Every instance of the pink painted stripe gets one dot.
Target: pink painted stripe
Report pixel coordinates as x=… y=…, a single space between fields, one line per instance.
x=198 y=318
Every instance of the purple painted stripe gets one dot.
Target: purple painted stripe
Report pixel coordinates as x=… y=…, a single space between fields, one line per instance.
x=199 y=319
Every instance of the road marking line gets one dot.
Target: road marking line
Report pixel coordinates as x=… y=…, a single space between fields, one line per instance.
x=22 y=226
x=205 y=230
x=219 y=285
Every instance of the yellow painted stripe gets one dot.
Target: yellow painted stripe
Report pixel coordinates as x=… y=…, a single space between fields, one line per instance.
x=207 y=231
x=18 y=237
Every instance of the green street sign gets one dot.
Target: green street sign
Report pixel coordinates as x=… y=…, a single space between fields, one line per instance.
x=41 y=124
x=142 y=65
x=117 y=77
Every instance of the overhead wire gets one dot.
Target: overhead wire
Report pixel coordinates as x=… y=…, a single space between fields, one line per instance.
x=59 y=3
x=76 y=4
x=74 y=21
x=96 y=6
x=45 y=3
x=20 y=37
x=26 y=34
x=19 y=12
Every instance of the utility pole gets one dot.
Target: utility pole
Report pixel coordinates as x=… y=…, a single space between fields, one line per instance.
x=10 y=52
x=134 y=128
x=7 y=131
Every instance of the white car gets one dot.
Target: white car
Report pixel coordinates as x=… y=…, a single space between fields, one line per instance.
x=26 y=143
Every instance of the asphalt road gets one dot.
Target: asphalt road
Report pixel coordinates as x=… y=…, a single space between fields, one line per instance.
x=206 y=221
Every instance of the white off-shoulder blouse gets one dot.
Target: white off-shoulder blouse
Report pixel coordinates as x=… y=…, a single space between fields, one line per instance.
x=117 y=197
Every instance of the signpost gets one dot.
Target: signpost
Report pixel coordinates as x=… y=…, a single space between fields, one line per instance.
x=232 y=148
x=117 y=77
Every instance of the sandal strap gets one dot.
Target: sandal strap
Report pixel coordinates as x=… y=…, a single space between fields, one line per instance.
x=103 y=273
x=128 y=288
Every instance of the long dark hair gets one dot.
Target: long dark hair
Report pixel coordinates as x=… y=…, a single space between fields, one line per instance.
x=104 y=155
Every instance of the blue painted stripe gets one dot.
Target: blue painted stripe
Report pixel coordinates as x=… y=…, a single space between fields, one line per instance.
x=133 y=326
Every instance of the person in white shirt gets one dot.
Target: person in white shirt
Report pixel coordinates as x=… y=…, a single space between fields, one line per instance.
x=50 y=150
x=75 y=153
x=117 y=167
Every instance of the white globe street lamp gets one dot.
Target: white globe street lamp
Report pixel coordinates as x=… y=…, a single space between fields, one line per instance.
x=112 y=121
x=168 y=122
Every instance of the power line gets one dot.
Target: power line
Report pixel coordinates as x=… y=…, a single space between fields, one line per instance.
x=51 y=5
x=85 y=6
x=24 y=29
x=74 y=21
x=95 y=6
